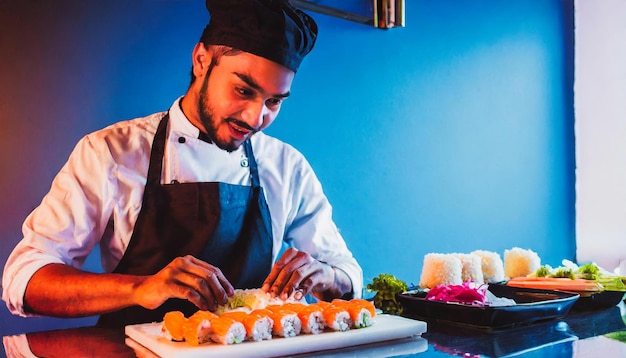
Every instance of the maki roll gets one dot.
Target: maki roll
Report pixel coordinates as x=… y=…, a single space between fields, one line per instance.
x=172 y=326
x=286 y=322
x=337 y=318
x=258 y=327
x=362 y=312
x=225 y=330
x=310 y=316
x=197 y=328
x=368 y=305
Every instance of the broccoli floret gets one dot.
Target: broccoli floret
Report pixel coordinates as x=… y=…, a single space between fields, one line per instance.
x=589 y=271
x=543 y=271
x=564 y=272
x=589 y=268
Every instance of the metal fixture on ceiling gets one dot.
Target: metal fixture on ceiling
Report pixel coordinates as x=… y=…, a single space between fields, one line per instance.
x=385 y=14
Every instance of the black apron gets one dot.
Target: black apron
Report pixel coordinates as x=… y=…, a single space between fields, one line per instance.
x=226 y=225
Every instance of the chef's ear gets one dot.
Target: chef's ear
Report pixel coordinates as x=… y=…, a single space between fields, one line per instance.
x=201 y=59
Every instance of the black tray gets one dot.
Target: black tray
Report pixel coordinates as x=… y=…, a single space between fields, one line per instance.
x=598 y=300
x=533 y=305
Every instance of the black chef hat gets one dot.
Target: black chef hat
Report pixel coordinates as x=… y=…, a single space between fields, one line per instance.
x=273 y=29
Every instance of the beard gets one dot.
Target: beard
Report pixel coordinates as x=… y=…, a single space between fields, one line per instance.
x=208 y=119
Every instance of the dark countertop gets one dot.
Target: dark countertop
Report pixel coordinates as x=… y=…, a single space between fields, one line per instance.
x=577 y=334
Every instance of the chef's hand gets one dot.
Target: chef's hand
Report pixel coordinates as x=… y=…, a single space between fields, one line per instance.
x=297 y=273
x=187 y=278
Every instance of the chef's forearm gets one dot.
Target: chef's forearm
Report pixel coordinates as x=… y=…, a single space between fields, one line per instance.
x=62 y=291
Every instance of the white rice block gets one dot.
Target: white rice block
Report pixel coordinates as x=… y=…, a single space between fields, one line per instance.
x=441 y=269
x=492 y=266
x=520 y=262
x=472 y=269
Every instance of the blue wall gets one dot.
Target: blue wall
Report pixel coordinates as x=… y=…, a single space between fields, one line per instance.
x=452 y=134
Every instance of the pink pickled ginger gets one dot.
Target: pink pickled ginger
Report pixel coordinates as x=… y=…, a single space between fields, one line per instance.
x=468 y=292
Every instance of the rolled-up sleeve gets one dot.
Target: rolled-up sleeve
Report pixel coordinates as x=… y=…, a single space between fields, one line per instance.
x=65 y=227
x=313 y=230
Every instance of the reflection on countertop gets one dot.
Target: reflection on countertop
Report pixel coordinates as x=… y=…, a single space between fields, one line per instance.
x=576 y=335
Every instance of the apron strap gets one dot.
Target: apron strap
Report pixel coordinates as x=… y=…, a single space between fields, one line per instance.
x=254 y=169
x=157 y=153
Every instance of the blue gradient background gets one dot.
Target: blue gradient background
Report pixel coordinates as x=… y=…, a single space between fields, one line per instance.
x=452 y=134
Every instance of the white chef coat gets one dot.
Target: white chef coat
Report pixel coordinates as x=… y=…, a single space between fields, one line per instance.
x=97 y=195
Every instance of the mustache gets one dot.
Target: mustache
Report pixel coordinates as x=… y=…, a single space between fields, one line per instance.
x=242 y=124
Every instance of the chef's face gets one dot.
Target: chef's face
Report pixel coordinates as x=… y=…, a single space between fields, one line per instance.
x=240 y=95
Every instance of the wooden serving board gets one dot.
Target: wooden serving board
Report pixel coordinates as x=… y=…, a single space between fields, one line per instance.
x=386 y=328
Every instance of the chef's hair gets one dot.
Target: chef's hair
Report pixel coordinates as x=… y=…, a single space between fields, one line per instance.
x=217 y=52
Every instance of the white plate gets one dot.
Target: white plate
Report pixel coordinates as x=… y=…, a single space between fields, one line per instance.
x=386 y=328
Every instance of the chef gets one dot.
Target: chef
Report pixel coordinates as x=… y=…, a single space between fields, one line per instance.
x=188 y=204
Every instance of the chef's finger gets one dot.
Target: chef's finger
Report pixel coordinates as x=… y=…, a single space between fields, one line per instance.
x=299 y=284
x=215 y=279
x=213 y=272
x=214 y=290
x=208 y=281
x=295 y=277
x=278 y=267
x=313 y=276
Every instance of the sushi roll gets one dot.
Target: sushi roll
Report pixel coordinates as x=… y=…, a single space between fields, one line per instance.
x=368 y=305
x=225 y=330
x=336 y=317
x=311 y=317
x=286 y=322
x=172 y=326
x=321 y=304
x=361 y=311
x=196 y=330
x=258 y=327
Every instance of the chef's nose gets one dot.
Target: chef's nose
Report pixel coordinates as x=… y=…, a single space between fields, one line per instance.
x=254 y=114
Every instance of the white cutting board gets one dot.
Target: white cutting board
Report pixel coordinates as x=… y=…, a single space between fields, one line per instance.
x=386 y=328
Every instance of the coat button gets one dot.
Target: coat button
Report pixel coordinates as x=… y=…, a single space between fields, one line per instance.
x=181 y=140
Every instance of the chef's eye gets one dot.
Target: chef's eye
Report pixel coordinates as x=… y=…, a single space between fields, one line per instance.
x=244 y=92
x=274 y=102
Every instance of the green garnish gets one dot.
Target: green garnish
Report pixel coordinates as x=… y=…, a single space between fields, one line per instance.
x=589 y=271
x=386 y=287
x=543 y=271
x=564 y=272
